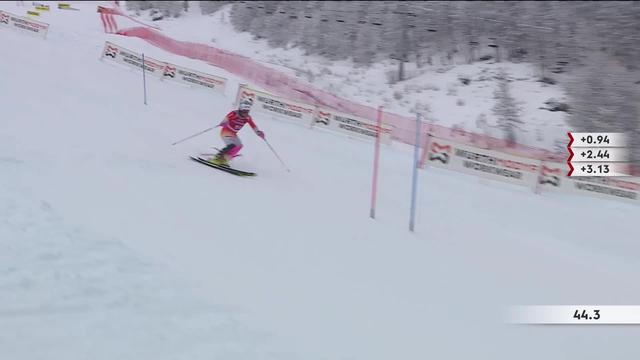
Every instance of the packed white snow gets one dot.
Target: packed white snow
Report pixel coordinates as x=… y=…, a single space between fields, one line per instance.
x=113 y=245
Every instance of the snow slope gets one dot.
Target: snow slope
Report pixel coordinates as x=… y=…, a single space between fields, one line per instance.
x=114 y=245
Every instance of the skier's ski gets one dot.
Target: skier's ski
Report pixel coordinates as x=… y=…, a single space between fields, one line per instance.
x=230 y=170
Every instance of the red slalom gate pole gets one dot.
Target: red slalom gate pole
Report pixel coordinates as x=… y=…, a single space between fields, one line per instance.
x=376 y=161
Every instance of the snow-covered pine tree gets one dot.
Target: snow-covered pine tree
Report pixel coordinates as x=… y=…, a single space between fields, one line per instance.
x=507 y=111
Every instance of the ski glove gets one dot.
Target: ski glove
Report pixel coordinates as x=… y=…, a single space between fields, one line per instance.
x=260 y=133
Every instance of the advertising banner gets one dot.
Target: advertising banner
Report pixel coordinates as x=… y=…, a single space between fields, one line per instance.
x=352 y=125
x=553 y=177
x=480 y=162
x=194 y=78
x=279 y=107
x=24 y=25
x=120 y=55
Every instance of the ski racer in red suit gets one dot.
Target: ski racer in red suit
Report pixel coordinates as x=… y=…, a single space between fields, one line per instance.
x=232 y=123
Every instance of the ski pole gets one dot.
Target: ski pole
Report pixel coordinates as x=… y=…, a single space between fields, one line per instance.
x=276 y=154
x=194 y=135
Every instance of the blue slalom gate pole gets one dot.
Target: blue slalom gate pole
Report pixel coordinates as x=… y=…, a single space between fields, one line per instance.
x=144 y=81
x=414 y=189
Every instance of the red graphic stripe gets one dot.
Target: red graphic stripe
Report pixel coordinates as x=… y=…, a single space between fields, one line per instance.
x=570 y=154
x=570 y=169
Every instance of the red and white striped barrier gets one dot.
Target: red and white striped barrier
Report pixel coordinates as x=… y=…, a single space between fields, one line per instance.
x=108 y=20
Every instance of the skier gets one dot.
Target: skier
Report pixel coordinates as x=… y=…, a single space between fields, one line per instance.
x=232 y=123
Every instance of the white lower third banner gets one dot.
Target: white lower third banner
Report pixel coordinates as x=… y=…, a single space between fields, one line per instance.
x=574 y=314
